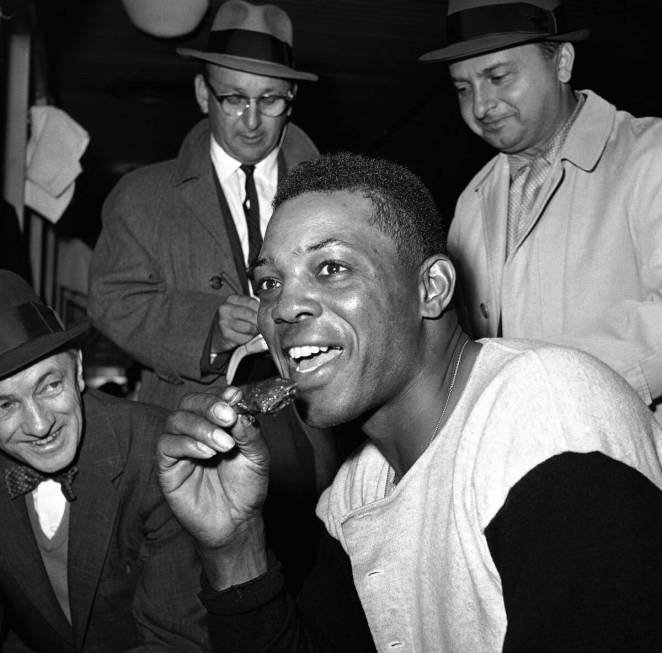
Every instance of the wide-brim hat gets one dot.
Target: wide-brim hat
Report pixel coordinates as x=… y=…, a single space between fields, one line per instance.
x=29 y=330
x=475 y=27
x=253 y=39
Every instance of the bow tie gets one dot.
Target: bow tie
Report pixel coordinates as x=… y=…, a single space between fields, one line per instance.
x=21 y=479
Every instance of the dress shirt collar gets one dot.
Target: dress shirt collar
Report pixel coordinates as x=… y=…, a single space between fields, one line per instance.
x=226 y=166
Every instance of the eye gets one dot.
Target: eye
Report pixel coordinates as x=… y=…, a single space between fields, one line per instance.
x=498 y=78
x=270 y=99
x=462 y=89
x=5 y=405
x=329 y=268
x=51 y=387
x=267 y=284
x=235 y=100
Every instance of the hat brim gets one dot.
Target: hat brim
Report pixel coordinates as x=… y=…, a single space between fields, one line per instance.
x=494 y=42
x=34 y=350
x=246 y=65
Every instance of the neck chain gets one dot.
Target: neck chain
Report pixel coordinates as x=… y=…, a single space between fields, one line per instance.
x=450 y=393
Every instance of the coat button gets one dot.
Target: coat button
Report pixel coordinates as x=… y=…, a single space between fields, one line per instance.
x=484 y=311
x=216 y=282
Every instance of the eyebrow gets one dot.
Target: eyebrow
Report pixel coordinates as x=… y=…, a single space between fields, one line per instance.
x=40 y=380
x=485 y=72
x=328 y=242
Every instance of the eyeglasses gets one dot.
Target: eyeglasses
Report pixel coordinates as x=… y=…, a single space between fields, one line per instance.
x=235 y=104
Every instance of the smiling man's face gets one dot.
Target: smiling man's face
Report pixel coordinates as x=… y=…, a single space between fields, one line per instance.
x=41 y=417
x=338 y=307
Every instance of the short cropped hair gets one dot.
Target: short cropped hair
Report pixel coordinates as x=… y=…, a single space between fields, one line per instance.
x=549 y=48
x=403 y=207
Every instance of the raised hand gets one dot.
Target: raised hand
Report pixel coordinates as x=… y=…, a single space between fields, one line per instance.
x=213 y=467
x=236 y=323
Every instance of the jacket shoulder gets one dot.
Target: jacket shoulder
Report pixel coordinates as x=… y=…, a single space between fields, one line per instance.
x=129 y=420
x=298 y=146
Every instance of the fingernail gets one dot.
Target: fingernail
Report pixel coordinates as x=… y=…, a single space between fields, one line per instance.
x=223 y=412
x=204 y=449
x=222 y=440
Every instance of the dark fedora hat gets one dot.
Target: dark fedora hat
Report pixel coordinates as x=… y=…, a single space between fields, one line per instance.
x=29 y=330
x=253 y=39
x=475 y=27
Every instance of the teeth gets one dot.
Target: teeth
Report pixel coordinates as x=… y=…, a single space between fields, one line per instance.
x=305 y=351
x=45 y=441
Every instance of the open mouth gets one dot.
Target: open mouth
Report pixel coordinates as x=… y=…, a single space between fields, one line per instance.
x=308 y=358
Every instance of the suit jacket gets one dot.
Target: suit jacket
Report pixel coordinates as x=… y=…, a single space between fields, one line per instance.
x=132 y=571
x=163 y=240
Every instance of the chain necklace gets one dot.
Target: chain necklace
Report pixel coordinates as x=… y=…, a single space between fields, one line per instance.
x=450 y=393
x=390 y=480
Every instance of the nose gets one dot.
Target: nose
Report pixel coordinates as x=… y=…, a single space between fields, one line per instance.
x=484 y=100
x=295 y=304
x=37 y=420
x=251 y=115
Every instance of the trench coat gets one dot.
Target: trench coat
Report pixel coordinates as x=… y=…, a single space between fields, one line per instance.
x=588 y=271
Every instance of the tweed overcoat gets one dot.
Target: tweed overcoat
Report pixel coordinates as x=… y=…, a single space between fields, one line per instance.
x=163 y=240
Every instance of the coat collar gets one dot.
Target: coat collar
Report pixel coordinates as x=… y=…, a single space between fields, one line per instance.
x=584 y=145
x=588 y=137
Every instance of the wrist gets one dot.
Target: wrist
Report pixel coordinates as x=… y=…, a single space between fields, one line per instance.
x=237 y=561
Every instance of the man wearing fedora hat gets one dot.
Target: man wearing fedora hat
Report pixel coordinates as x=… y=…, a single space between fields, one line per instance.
x=91 y=558
x=558 y=237
x=168 y=280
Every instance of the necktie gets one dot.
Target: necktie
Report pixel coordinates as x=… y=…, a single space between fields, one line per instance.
x=524 y=189
x=252 y=213
x=21 y=479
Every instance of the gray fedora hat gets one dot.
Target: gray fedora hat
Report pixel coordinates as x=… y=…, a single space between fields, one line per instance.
x=29 y=330
x=253 y=39
x=475 y=27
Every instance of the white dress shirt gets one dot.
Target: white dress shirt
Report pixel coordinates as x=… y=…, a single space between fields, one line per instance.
x=233 y=183
x=49 y=504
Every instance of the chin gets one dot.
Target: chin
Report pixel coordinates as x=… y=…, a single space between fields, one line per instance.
x=324 y=414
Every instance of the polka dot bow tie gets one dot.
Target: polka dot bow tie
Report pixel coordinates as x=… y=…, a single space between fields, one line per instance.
x=21 y=479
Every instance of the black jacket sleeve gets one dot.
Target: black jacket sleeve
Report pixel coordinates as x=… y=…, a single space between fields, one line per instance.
x=578 y=546
x=261 y=616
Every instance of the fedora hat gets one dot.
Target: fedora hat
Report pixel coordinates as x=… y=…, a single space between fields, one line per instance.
x=476 y=27
x=29 y=330
x=251 y=38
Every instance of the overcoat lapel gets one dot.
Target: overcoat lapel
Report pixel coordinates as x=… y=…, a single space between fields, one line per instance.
x=20 y=549
x=92 y=517
x=493 y=194
x=193 y=176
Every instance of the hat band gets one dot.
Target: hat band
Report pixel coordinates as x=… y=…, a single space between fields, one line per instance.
x=25 y=322
x=496 y=19
x=252 y=45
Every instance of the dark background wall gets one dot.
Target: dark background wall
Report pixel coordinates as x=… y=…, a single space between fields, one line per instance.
x=135 y=97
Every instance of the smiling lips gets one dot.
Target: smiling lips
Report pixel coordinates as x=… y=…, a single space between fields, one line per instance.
x=309 y=358
x=48 y=440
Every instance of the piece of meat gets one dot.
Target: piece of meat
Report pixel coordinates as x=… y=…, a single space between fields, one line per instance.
x=268 y=396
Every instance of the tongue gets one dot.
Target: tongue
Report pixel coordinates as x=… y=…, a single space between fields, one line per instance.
x=317 y=360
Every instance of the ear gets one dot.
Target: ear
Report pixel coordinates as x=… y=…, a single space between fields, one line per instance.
x=436 y=285
x=80 y=380
x=293 y=90
x=565 y=60
x=201 y=93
